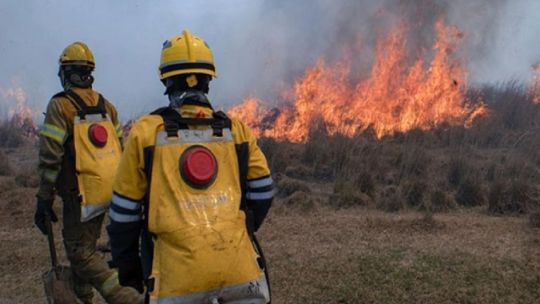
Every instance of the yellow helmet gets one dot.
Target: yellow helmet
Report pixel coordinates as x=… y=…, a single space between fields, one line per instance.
x=77 y=53
x=186 y=54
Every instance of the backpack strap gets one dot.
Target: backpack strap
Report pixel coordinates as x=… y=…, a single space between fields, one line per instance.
x=83 y=108
x=197 y=103
x=174 y=121
x=59 y=94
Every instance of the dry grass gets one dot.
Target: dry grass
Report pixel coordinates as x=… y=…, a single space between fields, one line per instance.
x=403 y=219
x=318 y=254
x=365 y=256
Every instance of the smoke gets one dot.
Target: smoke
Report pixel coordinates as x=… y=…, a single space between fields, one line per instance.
x=260 y=47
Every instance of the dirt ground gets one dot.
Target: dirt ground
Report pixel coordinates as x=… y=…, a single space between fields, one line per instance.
x=321 y=255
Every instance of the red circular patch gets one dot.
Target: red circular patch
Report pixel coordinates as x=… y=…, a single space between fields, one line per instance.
x=199 y=166
x=98 y=135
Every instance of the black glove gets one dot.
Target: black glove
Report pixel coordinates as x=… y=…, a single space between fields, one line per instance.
x=44 y=208
x=130 y=274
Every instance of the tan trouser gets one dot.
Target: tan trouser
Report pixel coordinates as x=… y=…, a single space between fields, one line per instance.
x=89 y=266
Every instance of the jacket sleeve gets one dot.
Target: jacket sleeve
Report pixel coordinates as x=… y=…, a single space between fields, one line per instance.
x=125 y=210
x=52 y=137
x=260 y=188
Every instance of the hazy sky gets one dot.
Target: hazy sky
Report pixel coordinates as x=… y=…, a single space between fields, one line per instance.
x=259 y=46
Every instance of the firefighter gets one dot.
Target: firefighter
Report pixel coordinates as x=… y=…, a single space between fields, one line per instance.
x=191 y=189
x=78 y=154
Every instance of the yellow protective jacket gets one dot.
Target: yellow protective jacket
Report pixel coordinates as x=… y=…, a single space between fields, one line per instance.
x=57 y=163
x=197 y=240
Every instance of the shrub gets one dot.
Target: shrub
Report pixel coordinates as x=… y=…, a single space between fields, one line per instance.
x=457 y=171
x=414 y=192
x=10 y=136
x=391 y=199
x=470 y=193
x=534 y=219
x=302 y=200
x=366 y=183
x=441 y=201
x=347 y=194
x=299 y=171
x=288 y=186
x=413 y=161
x=509 y=197
x=5 y=168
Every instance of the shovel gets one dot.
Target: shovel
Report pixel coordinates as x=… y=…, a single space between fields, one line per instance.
x=57 y=281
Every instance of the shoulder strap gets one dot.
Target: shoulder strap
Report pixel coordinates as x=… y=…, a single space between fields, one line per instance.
x=83 y=108
x=59 y=94
x=174 y=121
x=197 y=103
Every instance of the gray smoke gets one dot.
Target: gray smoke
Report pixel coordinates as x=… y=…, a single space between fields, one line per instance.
x=260 y=47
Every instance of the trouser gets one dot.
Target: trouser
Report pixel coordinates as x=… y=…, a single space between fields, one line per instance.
x=89 y=266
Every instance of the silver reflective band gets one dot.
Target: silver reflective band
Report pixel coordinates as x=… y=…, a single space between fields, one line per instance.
x=53 y=132
x=91 y=118
x=50 y=175
x=260 y=182
x=252 y=292
x=260 y=195
x=123 y=218
x=90 y=211
x=125 y=203
x=193 y=137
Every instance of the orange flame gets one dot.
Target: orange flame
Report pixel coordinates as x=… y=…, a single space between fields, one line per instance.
x=534 y=87
x=19 y=114
x=396 y=97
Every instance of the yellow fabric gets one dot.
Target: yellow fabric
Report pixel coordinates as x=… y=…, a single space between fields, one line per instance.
x=53 y=155
x=131 y=181
x=67 y=111
x=110 y=285
x=96 y=166
x=198 y=227
x=186 y=48
x=198 y=232
x=77 y=53
x=53 y=132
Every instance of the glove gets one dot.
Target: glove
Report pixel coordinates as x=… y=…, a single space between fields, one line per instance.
x=44 y=209
x=130 y=274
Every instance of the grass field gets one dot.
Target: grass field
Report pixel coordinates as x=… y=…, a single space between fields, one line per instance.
x=320 y=254
x=450 y=215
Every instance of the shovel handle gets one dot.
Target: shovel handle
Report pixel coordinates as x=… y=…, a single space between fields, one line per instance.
x=50 y=238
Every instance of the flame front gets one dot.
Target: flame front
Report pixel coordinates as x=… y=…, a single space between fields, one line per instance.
x=534 y=87
x=396 y=97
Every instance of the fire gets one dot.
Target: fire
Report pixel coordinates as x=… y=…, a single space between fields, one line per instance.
x=534 y=87
x=397 y=96
x=19 y=114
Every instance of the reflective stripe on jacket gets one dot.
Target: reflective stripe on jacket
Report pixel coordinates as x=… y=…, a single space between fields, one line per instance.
x=56 y=165
x=131 y=194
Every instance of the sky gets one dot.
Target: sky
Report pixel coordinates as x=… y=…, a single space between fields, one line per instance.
x=260 y=46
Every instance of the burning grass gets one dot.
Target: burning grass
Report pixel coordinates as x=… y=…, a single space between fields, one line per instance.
x=402 y=92
x=493 y=165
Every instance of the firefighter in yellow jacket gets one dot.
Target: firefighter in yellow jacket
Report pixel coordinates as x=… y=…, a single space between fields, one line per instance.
x=192 y=188
x=79 y=152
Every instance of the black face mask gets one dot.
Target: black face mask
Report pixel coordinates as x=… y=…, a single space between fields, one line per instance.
x=81 y=78
x=177 y=98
